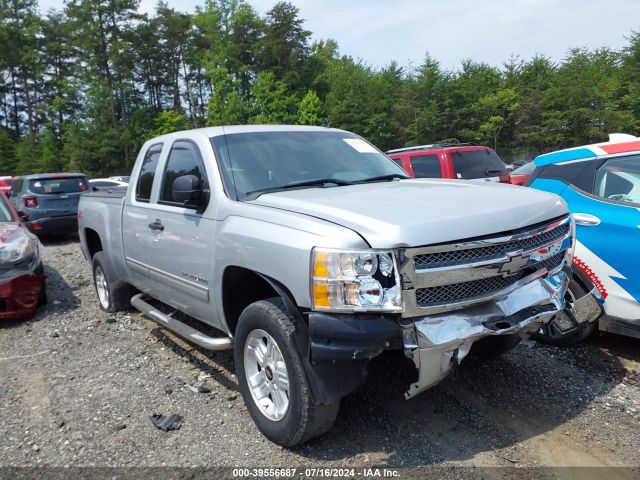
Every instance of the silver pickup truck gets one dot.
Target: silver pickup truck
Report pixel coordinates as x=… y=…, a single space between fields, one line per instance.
x=309 y=252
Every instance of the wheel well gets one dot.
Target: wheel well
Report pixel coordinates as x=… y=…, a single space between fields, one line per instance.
x=582 y=279
x=240 y=288
x=94 y=245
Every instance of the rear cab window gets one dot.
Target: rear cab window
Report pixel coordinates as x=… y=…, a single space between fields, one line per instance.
x=426 y=166
x=58 y=185
x=147 y=173
x=483 y=163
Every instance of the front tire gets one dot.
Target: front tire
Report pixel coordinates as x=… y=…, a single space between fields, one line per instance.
x=272 y=379
x=113 y=295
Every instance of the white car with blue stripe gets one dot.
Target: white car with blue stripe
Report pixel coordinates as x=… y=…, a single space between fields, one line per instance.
x=601 y=185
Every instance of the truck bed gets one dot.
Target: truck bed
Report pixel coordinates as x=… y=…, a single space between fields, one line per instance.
x=112 y=192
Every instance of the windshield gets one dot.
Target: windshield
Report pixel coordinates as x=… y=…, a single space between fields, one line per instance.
x=45 y=186
x=478 y=164
x=526 y=169
x=274 y=160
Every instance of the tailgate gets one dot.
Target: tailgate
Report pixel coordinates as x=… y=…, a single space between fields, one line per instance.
x=58 y=196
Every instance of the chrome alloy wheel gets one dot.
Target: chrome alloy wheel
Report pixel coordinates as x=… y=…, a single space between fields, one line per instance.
x=266 y=373
x=101 y=287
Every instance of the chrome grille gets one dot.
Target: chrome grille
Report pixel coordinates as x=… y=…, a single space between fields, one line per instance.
x=457 y=257
x=438 y=278
x=455 y=292
x=475 y=288
x=552 y=262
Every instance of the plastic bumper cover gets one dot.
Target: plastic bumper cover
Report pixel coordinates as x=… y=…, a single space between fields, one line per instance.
x=19 y=296
x=54 y=225
x=437 y=342
x=350 y=337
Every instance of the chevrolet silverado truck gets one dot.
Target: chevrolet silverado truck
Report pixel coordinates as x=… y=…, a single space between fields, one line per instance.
x=309 y=252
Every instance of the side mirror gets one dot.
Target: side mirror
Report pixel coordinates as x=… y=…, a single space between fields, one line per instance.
x=22 y=215
x=188 y=190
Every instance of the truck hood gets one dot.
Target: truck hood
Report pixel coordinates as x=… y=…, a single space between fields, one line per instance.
x=410 y=213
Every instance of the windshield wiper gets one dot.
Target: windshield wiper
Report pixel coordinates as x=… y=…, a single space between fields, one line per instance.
x=318 y=182
x=382 y=178
x=490 y=172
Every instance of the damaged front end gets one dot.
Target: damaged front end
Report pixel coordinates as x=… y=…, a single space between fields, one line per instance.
x=21 y=276
x=456 y=294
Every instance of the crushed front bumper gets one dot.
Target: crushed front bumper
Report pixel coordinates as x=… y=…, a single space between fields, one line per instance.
x=436 y=343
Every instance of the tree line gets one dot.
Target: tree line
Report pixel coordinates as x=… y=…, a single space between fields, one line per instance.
x=82 y=87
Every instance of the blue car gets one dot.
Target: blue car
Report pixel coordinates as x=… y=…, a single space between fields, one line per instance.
x=48 y=202
x=601 y=185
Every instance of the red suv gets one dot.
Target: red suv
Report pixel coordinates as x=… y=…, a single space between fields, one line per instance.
x=451 y=160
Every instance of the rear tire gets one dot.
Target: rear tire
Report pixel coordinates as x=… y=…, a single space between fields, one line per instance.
x=552 y=334
x=265 y=327
x=113 y=295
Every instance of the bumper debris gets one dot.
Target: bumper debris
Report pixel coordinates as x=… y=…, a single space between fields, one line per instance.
x=437 y=343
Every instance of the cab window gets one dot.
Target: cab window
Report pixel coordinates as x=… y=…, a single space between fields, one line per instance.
x=147 y=173
x=426 y=166
x=618 y=179
x=184 y=159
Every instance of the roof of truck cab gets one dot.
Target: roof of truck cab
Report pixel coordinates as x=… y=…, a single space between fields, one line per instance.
x=618 y=143
x=231 y=129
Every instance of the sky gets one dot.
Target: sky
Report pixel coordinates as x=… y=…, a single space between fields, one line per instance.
x=379 y=31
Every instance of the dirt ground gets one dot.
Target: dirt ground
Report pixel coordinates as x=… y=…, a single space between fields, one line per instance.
x=77 y=387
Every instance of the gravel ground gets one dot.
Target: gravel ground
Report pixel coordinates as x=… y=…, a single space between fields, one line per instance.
x=77 y=387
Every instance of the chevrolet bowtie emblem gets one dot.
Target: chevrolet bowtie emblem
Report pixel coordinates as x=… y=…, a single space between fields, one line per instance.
x=517 y=261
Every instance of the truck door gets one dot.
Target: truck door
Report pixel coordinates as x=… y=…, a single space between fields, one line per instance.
x=138 y=214
x=181 y=238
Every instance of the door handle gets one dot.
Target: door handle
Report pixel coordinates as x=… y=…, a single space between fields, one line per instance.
x=586 y=219
x=157 y=225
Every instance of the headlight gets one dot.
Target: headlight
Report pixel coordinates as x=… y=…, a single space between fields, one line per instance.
x=366 y=280
x=17 y=248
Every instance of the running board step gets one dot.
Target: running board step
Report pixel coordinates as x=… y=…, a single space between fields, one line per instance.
x=180 y=328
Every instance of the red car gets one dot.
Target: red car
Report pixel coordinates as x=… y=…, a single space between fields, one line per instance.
x=521 y=174
x=5 y=184
x=22 y=286
x=451 y=160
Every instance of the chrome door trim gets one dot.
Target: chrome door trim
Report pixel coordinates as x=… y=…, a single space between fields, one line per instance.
x=195 y=290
